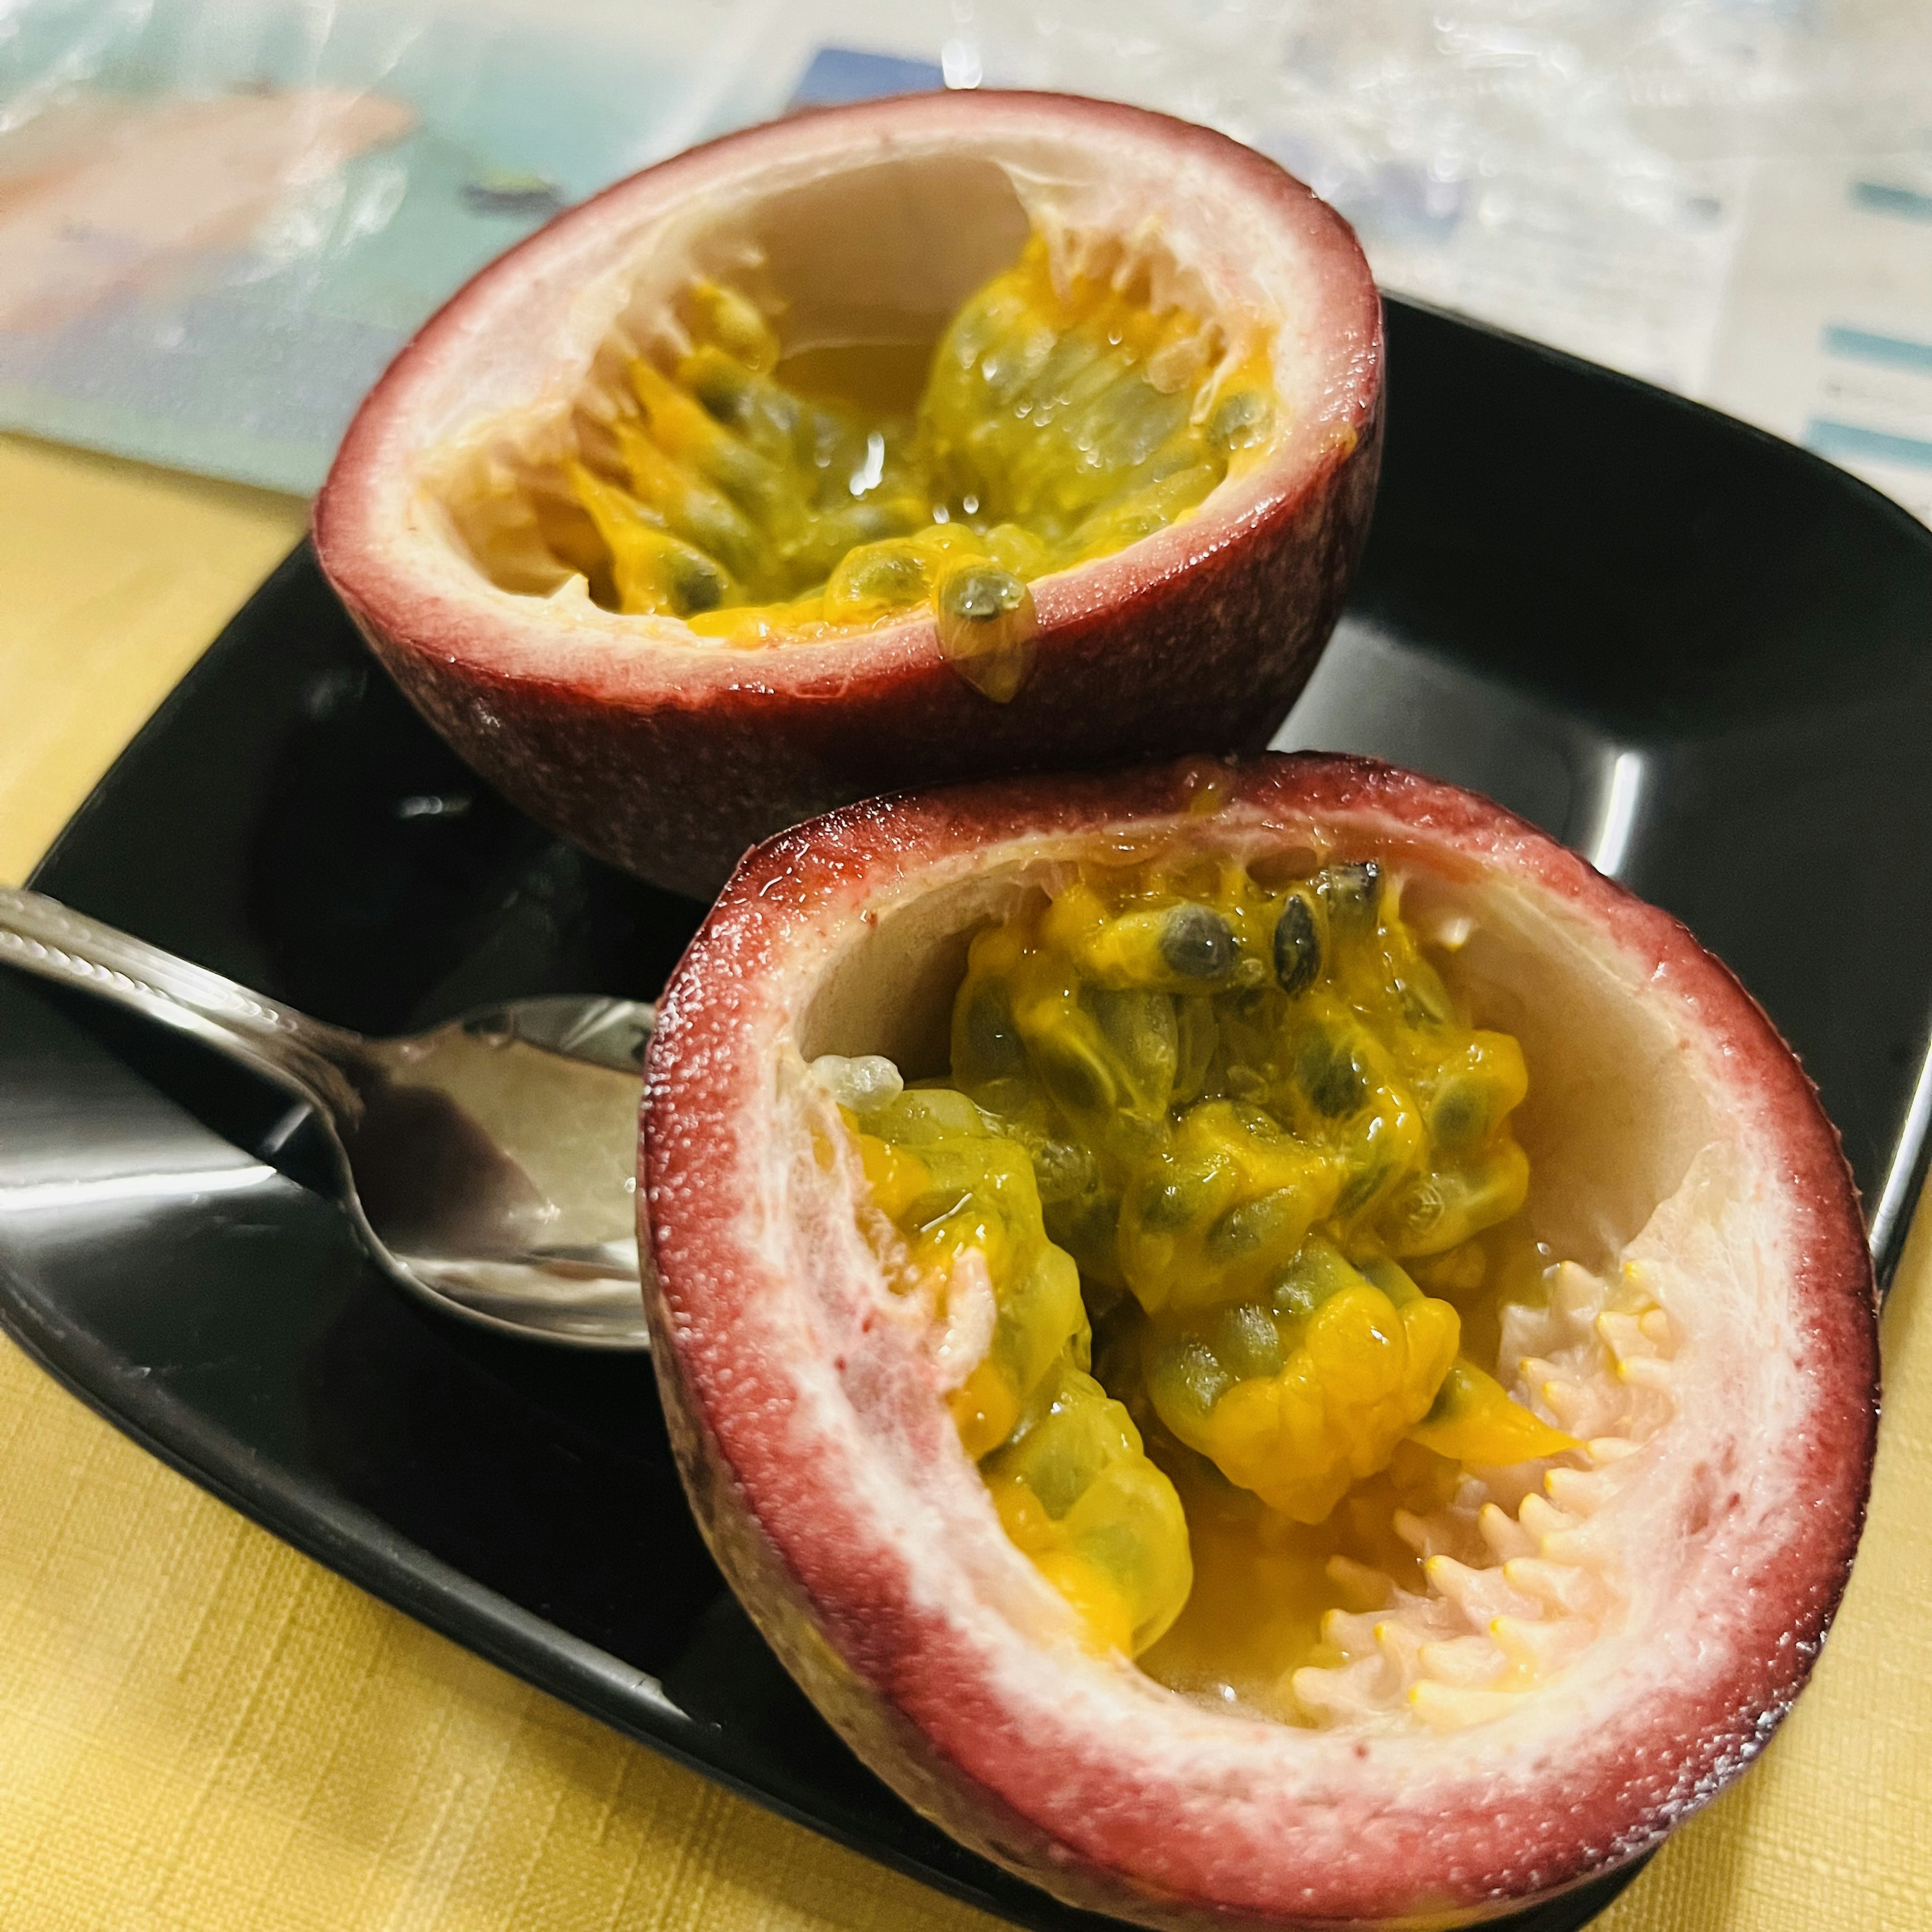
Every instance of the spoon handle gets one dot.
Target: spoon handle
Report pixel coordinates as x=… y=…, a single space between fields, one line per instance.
x=312 y=1059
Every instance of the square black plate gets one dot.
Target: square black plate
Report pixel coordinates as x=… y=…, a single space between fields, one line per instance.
x=1698 y=654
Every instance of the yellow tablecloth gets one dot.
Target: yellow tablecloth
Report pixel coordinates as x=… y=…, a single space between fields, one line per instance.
x=201 y=1730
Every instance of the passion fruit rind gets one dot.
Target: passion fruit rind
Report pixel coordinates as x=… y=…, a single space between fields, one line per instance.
x=666 y=754
x=828 y=1467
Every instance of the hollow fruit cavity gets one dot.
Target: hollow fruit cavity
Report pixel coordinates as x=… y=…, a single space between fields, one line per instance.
x=1222 y=1213
x=1065 y=412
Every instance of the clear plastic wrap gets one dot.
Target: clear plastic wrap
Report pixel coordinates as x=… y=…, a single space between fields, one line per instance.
x=1732 y=197
x=219 y=219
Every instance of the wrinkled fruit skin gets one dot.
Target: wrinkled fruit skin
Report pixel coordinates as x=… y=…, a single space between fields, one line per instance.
x=1096 y=1789
x=1202 y=636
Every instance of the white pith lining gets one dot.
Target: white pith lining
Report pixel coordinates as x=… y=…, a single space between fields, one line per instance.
x=1524 y=1567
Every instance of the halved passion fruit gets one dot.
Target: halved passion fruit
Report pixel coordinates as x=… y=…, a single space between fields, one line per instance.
x=1268 y=1345
x=922 y=439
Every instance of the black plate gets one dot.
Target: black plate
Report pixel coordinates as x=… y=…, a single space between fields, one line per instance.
x=1694 y=650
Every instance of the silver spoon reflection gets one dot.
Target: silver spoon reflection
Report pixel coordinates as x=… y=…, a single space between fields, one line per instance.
x=490 y=1164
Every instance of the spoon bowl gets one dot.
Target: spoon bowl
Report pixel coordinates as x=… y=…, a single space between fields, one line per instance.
x=489 y=1164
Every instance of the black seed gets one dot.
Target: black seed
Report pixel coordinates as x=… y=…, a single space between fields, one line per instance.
x=1074 y=1077
x=1245 y=1083
x=1416 y=1212
x=1315 y=1273
x=1245 y=1228
x=1244 y=1003
x=1361 y=1188
x=1419 y=1008
x=1459 y=1115
x=724 y=390
x=1240 y=420
x=697 y=583
x=1293 y=1294
x=1164 y=1206
x=992 y=1039
x=1298 y=947
x=1114 y=1549
x=1191 y=1377
x=1354 y=894
x=1196 y=942
x=1056 y=1471
x=1085 y=1228
x=1394 y=1280
x=1135 y=1136
x=1064 y=1170
x=1010 y=1098
x=1330 y=1076
x=1124 y=427
x=895 y=576
x=1140 y=1027
x=1195 y=1035
x=1247 y=1340
x=982 y=595
x=1448 y=1397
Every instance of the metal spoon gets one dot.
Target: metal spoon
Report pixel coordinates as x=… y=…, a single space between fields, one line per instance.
x=490 y=1164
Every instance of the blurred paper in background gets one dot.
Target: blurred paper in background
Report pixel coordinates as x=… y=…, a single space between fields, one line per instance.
x=219 y=218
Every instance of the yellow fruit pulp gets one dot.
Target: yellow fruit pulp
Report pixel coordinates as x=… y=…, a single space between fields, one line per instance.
x=1063 y=1460
x=1243 y=1129
x=1061 y=419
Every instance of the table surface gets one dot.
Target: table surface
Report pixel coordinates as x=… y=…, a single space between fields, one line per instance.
x=201 y=1730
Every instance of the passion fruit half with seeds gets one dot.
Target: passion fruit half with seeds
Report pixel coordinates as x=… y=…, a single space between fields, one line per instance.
x=1271 y=1348
x=918 y=440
